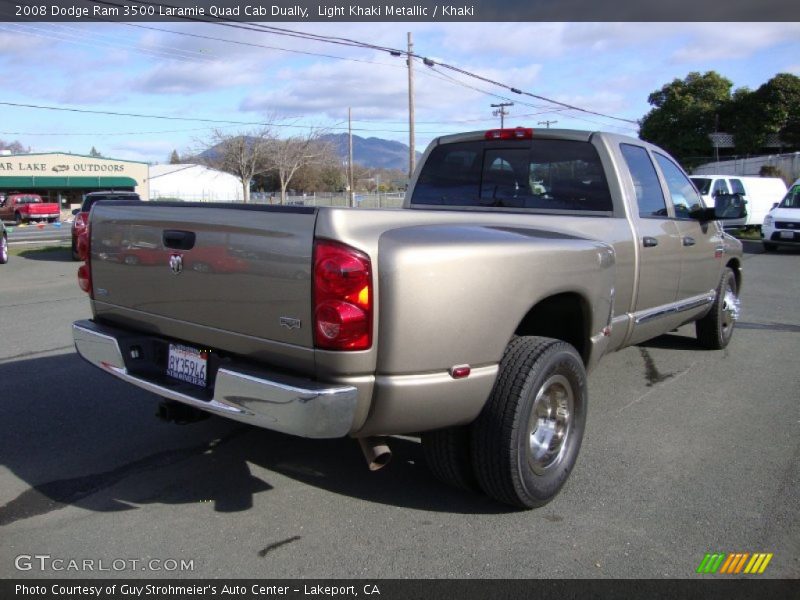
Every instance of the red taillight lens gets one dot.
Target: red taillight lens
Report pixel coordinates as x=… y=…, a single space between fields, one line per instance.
x=85 y=270
x=85 y=278
x=518 y=133
x=342 y=297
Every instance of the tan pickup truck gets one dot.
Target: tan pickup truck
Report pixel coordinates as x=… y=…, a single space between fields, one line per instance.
x=470 y=316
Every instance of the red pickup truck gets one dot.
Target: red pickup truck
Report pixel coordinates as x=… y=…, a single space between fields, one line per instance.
x=23 y=207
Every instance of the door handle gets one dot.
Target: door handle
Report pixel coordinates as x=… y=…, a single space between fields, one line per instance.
x=649 y=242
x=688 y=241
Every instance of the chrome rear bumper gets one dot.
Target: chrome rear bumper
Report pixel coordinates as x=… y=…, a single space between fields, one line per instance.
x=270 y=400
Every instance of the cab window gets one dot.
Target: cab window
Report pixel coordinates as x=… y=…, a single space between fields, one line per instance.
x=649 y=196
x=683 y=194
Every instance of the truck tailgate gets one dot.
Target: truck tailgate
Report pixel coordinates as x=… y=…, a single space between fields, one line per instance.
x=204 y=268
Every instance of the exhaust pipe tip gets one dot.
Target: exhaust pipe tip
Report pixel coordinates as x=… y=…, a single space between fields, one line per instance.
x=376 y=452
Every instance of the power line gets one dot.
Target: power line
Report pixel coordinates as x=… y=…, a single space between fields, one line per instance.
x=394 y=51
x=200 y=119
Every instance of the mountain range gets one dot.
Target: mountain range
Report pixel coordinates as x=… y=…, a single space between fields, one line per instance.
x=374 y=153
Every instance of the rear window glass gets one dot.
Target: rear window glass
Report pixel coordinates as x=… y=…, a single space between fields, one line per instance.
x=558 y=175
x=28 y=199
x=89 y=201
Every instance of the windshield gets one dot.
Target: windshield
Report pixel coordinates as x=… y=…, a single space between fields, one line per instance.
x=791 y=199
x=28 y=199
x=702 y=184
x=557 y=175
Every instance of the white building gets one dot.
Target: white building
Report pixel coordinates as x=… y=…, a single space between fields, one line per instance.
x=193 y=183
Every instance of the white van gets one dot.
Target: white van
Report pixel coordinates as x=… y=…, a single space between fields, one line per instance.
x=761 y=193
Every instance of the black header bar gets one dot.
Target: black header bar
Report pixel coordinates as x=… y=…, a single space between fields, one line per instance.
x=427 y=11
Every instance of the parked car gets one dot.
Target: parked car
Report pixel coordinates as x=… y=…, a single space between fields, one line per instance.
x=782 y=224
x=760 y=193
x=82 y=214
x=472 y=314
x=3 y=244
x=27 y=207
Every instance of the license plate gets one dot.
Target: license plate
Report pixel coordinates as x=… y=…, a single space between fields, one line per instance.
x=787 y=235
x=187 y=364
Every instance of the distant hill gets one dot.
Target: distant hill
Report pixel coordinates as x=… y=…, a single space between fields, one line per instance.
x=372 y=152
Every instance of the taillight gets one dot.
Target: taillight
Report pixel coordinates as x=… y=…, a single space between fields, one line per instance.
x=85 y=270
x=342 y=297
x=80 y=222
x=518 y=133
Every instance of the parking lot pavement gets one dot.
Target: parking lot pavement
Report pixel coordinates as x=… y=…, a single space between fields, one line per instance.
x=686 y=452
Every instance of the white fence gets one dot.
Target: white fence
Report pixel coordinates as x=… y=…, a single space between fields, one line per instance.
x=788 y=164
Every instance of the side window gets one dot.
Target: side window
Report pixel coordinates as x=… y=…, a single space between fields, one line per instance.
x=720 y=187
x=649 y=196
x=684 y=196
x=737 y=187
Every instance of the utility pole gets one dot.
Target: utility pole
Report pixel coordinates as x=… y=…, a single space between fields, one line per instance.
x=412 y=153
x=547 y=123
x=501 y=112
x=350 y=156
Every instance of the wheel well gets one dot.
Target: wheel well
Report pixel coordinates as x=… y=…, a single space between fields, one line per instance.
x=563 y=317
x=734 y=265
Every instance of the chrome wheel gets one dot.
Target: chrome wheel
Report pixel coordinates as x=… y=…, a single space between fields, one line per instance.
x=550 y=422
x=3 y=249
x=731 y=307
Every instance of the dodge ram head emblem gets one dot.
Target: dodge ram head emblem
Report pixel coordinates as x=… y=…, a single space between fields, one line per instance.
x=176 y=263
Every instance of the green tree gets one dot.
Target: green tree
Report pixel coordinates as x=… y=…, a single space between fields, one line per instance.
x=774 y=108
x=94 y=153
x=684 y=113
x=174 y=159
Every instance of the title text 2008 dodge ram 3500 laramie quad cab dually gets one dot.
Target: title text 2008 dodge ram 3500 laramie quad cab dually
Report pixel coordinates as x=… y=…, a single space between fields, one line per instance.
x=470 y=316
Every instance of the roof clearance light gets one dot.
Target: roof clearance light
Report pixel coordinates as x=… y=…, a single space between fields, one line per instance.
x=518 y=133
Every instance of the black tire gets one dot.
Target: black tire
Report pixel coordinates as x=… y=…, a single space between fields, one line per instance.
x=18 y=218
x=3 y=249
x=770 y=247
x=714 y=331
x=534 y=374
x=449 y=457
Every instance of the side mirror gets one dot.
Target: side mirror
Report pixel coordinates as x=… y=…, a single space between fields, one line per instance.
x=75 y=211
x=775 y=205
x=730 y=206
x=726 y=207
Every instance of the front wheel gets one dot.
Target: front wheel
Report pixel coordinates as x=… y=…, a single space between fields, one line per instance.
x=770 y=247
x=714 y=331
x=18 y=218
x=526 y=440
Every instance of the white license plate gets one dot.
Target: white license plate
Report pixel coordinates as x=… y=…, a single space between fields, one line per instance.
x=787 y=235
x=187 y=364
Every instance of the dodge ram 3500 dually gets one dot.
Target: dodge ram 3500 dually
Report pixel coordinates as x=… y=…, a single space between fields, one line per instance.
x=470 y=316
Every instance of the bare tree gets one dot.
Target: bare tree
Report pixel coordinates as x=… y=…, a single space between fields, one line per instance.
x=286 y=156
x=14 y=147
x=243 y=155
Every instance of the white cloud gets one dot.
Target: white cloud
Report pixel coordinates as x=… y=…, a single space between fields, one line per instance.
x=720 y=41
x=192 y=78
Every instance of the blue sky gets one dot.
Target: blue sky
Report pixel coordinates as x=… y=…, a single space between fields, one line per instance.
x=605 y=67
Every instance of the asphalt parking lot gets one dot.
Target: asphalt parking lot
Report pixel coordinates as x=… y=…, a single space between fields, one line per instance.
x=686 y=452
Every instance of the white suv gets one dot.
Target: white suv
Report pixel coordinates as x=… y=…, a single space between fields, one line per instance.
x=782 y=224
